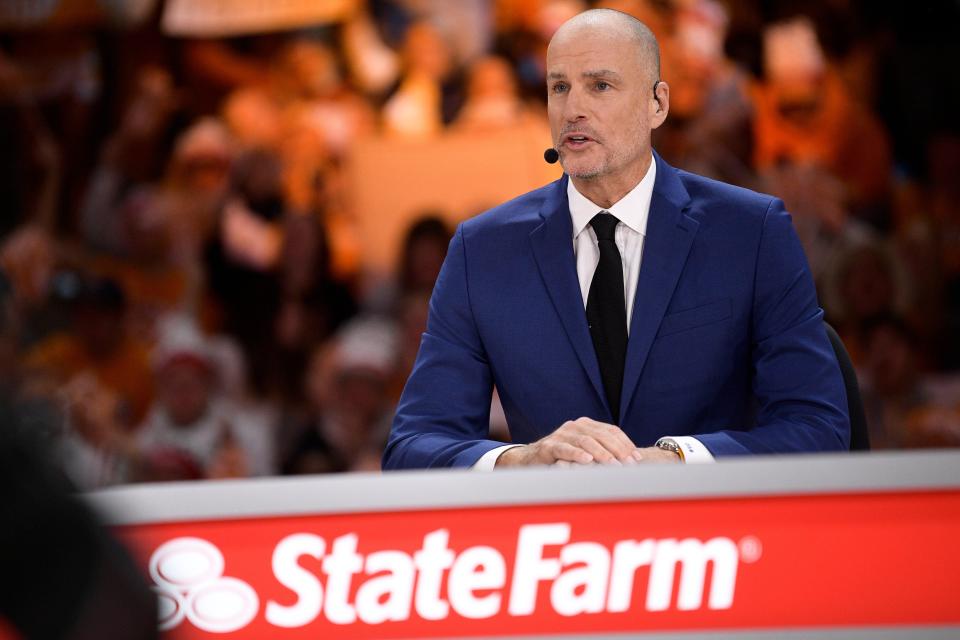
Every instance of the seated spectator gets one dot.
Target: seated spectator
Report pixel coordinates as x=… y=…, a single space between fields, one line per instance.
x=866 y=282
x=241 y=259
x=348 y=417
x=98 y=344
x=416 y=109
x=154 y=275
x=493 y=102
x=943 y=205
x=313 y=304
x=133 y=155
x=905 y=406
x=421 y=256
x=319 y=97
x=197 y=182
x=190 y=432
x=214 y=67
x=373 y=66
x=709 y=130
x=253 y=116
x=817 y=200
x=804 y=114
x=935 y=427
x=95 y=448
x=255 y=417
x=27 y=262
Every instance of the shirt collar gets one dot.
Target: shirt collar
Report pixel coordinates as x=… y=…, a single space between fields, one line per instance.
x=632 y=209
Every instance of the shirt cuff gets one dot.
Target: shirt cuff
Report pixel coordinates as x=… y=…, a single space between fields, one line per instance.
x=489 y=460
x=694 y=451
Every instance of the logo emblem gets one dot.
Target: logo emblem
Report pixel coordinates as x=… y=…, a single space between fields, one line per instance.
x=189 y=583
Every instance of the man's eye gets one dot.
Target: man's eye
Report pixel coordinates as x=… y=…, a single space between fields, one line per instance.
x=559 y=87
x=602 y=86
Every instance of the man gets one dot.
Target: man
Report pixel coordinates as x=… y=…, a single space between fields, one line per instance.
x=702 y=332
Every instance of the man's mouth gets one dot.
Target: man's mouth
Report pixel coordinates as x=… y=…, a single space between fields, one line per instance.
x=577 y=140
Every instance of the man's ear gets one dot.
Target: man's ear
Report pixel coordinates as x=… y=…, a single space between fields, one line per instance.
x=661 y=103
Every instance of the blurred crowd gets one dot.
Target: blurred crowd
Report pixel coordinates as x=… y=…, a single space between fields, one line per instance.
x=181 y=284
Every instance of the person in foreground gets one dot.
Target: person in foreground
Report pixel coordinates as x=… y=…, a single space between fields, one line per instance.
x=629 y=312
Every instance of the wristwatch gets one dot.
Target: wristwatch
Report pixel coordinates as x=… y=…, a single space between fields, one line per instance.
x=669 y=444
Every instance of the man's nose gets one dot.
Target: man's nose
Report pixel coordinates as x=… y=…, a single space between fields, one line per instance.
x=574 y=106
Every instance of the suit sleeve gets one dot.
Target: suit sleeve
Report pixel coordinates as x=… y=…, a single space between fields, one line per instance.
x=801 y=399
x=444 y=413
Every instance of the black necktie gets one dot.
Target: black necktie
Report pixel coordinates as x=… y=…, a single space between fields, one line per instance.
x=607 y=312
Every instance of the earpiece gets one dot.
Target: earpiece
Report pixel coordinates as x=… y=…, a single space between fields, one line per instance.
x=656 y=97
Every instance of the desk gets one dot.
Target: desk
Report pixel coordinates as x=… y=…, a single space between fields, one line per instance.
x=831 y=546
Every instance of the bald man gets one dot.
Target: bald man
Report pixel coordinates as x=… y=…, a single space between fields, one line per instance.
x=627 y=313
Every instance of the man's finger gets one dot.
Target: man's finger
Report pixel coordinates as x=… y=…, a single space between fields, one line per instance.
x=616 y=442
x=566 y=451
x=611 y=438
x=595 y=448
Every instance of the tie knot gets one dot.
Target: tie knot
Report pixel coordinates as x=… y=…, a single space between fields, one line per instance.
x=604 y=225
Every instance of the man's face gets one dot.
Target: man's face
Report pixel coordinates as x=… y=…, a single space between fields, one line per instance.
x=600 y=103
x=185 y=391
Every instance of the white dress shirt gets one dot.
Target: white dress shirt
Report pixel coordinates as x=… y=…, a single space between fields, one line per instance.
x=632 y=210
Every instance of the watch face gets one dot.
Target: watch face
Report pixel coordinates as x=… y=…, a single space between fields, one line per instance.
x=669 y=445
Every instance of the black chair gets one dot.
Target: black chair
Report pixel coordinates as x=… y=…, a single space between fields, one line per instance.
x=859 y=434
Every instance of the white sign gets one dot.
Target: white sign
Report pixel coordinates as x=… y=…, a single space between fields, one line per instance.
x=215 y=18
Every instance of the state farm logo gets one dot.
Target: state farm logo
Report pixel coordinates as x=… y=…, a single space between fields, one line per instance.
x=189 y=582
x=351 y=584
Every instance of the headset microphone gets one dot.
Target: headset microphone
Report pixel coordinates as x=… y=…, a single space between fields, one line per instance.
x=551 y=155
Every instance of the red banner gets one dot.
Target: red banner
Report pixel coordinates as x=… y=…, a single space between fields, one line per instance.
x=833 y=560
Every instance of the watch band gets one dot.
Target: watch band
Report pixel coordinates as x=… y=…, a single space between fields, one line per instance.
x=669 y=444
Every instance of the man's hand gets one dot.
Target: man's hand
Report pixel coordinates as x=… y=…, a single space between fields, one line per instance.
x=581 y=441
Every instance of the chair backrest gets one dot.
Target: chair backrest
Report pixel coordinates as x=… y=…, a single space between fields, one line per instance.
x=859 y=434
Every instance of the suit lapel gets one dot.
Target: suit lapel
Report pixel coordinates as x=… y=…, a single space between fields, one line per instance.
x=553 y=250
x=670 y=235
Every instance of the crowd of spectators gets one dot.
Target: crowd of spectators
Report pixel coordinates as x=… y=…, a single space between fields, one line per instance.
x=180 y=283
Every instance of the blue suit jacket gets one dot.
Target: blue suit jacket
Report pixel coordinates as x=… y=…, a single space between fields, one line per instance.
x=726 y=343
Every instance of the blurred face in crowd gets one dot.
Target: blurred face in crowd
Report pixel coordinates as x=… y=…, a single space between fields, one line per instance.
x=253 y=119
x=425 y=260
x=353 y=393
x=492 y=77
x=147 y=225
x=794 y=67
x=151 y=104
x=867 y=285
x=890 y=360
x=312 y=68
x=698 y=58
x=202 y=157
x=361 y=392
x=184 y=389
x=600 y=100
x=426 y=52
x=27 y=260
